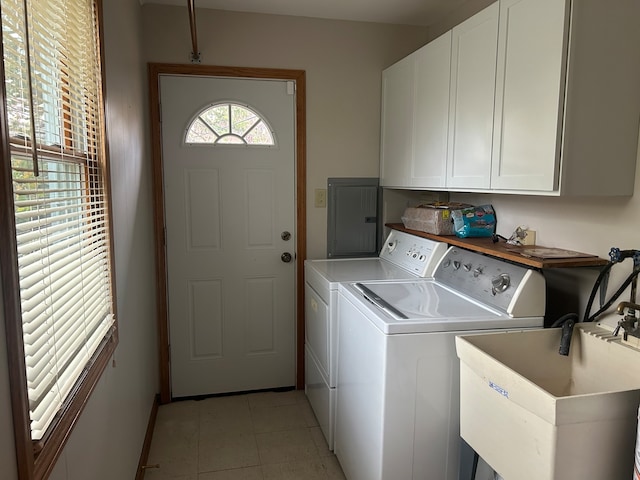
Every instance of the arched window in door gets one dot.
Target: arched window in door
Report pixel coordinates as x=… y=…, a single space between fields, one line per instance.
x=229 y=124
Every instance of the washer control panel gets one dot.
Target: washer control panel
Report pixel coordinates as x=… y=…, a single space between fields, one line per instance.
x=494 y=282
x=415 y=254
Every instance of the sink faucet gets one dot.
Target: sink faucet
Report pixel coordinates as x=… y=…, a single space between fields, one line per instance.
x=629 y=321
x=630 y=305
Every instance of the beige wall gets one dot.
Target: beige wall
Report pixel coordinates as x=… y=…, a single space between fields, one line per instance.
x=591 y=225
x=343 y=62
x=107 y=441
x=468 y=9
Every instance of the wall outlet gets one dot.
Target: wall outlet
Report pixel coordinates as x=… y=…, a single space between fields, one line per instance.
x=530 y=238
x=320 y=198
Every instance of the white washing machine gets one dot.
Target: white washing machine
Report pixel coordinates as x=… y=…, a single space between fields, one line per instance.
x=402 y=256
x=398 y=375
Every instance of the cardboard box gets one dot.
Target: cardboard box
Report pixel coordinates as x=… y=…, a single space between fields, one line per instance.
x=432 y=218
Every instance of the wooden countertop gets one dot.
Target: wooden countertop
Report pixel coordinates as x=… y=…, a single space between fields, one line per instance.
x=503 y=250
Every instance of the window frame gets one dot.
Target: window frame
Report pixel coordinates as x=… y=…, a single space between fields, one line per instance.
x=36 y=460
x=229 y=104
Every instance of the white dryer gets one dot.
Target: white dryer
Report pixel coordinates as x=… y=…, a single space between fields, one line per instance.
x=403 y=256
x=398 y=373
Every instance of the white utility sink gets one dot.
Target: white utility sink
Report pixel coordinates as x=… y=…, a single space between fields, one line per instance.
x=532 y=413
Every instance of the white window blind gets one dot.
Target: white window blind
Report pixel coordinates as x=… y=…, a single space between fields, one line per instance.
x=54 y=110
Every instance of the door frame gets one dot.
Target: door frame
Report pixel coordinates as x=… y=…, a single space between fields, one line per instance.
x=297 y=76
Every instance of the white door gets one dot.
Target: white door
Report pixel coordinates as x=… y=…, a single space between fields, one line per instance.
x=231 y=296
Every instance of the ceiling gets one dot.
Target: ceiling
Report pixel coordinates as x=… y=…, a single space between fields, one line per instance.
x=403 y=12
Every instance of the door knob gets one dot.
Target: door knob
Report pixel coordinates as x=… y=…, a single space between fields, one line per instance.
x=286 y=257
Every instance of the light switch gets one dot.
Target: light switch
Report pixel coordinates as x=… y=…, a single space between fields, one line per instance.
x=320 y=198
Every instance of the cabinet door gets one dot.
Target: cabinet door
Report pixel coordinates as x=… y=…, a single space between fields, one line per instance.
x=431 y=113
x=397 y=119
x=473 y=74
x=529 y=94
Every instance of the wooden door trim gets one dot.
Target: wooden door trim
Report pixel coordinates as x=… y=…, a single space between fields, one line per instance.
x=299 y=77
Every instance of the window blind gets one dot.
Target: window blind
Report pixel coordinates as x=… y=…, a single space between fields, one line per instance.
x=54 y=110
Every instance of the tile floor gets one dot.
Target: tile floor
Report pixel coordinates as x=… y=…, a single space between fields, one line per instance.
x=257 y=436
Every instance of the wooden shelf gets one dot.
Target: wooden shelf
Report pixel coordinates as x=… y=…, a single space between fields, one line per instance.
x=505 y=251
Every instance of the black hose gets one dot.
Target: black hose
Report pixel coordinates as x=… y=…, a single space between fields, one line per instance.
x=590 y=318
x=595 y=288
x=616 y=295
x=567 y=333
x=567 y=316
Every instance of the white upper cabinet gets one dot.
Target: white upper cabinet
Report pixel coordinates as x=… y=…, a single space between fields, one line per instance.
x=473 y=79
x=431 y=113
x=544 y=98
x=396 y=146
x=567 y=97
x=599 y=144
x=529 y=92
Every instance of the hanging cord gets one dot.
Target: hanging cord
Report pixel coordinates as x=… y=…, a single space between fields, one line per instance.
x=34 y=153
x=195 y=54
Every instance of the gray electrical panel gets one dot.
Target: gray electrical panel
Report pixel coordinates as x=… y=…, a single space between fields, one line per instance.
x=353 y=225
